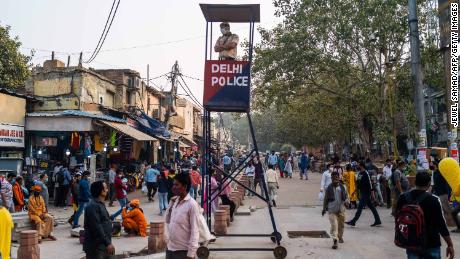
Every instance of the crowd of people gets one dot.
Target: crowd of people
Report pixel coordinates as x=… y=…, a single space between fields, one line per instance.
x=421 y=207
x=355 y=184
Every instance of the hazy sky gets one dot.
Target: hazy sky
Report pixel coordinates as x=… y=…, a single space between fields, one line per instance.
x=144 y=32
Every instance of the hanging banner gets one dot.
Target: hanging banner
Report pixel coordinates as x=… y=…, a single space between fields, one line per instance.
x=11 y=136
x=227 y=85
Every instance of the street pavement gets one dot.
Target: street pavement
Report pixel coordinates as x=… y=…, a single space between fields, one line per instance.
x=298 y=210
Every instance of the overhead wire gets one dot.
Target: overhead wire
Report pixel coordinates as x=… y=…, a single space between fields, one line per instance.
x=105 y=32
x=191 y=77
x=134 y=47
x=189 y=94
x=185 y=83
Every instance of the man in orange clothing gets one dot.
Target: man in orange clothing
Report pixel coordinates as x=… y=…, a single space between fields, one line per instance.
x=133 y=219
x=18 y=195
x=38 y=214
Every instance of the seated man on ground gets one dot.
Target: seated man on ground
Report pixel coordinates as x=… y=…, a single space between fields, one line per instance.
x=44 y=222
x=133 y=219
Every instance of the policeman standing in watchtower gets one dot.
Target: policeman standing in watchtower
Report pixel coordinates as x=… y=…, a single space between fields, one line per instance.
x=227 y=44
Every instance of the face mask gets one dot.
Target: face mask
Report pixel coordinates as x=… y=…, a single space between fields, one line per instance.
x=13 y=182
x=36 y=194
x=223 y=30
x=46 y=180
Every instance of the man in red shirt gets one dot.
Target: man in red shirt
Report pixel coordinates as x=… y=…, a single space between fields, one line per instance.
x=120 y=191
x=195 y=179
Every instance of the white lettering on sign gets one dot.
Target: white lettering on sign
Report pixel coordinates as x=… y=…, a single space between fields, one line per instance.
x=454 y=52
x=227 y=68
x=234 y=77
x=229 y=81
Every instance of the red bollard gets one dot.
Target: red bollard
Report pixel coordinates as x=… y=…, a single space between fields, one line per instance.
x=28 y=245
x=156 y=237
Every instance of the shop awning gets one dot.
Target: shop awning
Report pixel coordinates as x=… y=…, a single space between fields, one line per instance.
x=128 y=130
x=182 y=144
x=188 y=141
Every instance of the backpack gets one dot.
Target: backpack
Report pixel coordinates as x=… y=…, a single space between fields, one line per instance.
x=60 y=177
x=410 y=230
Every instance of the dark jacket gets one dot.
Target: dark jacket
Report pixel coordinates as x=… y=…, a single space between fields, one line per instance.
x=258 y=171
x=163 y=185
x=83 y=190
x=98 y=227
x=365 y=185
x=330 y=193
x=303 y=162
x=440 y=186
x=433 y=216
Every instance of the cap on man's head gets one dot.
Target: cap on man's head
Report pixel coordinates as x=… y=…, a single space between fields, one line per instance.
x=225 y=24
x=36 y=188
x=135 y=203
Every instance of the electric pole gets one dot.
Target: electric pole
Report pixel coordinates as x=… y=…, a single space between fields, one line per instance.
x=171 y=97
x=416 y=67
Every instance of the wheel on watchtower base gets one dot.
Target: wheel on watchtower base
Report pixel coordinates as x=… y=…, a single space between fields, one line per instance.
x=276 y=235
x=202 y=252
x=280 y=252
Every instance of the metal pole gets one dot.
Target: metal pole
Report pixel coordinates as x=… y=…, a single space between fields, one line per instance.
x=264 y=184
x=206 y=44
x=416 y=68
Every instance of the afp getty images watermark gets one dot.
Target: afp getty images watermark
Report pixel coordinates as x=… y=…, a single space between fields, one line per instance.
x=454 y=64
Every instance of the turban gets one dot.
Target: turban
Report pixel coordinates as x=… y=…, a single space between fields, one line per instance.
x=37 y=188
x=135 y=203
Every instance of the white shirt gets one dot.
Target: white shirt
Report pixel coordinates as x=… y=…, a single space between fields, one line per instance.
x=325 y=180
x=387 y=171
x=183 y=228
x=272 y=176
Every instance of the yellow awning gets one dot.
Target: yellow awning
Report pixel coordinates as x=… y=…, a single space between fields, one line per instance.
x=128 y=130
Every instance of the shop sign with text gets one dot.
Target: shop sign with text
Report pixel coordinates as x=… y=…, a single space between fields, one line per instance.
x=227 y=85
x=11 y=135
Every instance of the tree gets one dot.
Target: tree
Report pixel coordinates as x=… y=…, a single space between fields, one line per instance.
x=330 y=69
x=13 y=65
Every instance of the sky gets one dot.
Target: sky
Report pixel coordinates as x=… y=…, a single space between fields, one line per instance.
x=144 y=32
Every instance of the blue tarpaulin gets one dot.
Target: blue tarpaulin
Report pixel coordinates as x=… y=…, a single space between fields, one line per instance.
x=151 y=126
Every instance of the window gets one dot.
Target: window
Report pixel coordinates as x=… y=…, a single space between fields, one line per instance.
x=128 y=98
x=148 y=104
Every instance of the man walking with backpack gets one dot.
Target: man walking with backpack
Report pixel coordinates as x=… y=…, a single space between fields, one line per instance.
x=420 y=222
x=63 y=180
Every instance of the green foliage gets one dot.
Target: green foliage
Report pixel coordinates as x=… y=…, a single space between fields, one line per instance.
x=329 y=70
x=13 y=65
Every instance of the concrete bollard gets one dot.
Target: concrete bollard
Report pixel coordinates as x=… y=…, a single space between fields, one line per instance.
x=156 y=237
x=28 y=245
x=220 y=222
x=227 y=210
x=241 y=192
x=236 y=200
